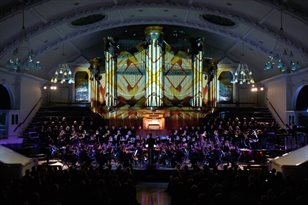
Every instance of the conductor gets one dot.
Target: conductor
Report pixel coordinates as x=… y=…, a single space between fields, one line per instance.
x=151 y=142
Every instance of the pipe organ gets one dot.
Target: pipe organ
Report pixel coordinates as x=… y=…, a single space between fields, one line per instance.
x=110 y=66
x=197 y=65
x=153 y=74
x=153 y=67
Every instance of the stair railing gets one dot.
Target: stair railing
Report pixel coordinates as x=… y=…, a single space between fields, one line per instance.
x=34 y=106
x=273 y=108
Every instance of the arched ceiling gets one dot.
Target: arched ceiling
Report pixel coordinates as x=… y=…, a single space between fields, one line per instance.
x=255 y=33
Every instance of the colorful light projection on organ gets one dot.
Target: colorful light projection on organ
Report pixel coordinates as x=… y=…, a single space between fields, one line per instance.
x=151 y=75
x=153 y=67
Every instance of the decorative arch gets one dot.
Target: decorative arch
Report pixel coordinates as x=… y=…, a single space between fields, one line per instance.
x=5 y=102
x=94 y=8
x=225 y=87
x=301 y=99
x=297 y=88
x=5 y=105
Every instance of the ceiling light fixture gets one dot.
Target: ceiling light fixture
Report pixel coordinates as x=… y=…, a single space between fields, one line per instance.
x=23 y=56
x=242 y=75
x=281 y=57
x=63 y=74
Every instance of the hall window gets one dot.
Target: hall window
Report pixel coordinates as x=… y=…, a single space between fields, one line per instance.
x=81 y=86
x=225 y=87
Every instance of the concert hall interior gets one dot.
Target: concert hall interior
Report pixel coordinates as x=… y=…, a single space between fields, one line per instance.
x=153 y=102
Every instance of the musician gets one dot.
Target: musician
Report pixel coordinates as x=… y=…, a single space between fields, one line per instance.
x=253 y=139
x=139 y=155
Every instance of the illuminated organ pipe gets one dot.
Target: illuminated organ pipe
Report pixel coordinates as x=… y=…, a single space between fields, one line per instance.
x=153 y=63
x=197 y=72
x=110 y=66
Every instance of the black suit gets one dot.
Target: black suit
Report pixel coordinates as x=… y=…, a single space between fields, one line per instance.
x=151 y=142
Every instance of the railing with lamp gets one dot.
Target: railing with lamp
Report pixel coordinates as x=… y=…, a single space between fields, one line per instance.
x=35 y=106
